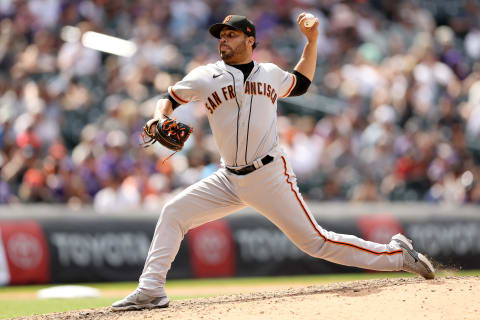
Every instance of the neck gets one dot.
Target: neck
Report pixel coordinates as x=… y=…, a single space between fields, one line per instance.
x=247 y=58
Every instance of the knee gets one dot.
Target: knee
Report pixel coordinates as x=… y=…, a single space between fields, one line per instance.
x=312 y=247
x=170 y=215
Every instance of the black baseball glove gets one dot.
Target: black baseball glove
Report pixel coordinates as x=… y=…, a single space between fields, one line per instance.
x=168 y=132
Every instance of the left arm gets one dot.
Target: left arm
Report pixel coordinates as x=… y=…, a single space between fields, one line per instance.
x=308 y=61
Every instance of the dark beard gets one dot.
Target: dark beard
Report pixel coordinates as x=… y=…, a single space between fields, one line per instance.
x=227 y=56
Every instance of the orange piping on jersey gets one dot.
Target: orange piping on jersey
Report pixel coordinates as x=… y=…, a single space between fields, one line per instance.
x=177 y=97
x=318 y=231
x=294 y=80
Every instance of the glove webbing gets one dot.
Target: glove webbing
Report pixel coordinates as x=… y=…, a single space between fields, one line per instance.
x=147 y=135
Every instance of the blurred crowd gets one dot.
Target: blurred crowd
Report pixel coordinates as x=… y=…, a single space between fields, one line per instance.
x=407 y=78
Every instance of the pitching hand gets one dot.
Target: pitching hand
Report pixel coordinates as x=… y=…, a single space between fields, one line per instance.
x=310 y=33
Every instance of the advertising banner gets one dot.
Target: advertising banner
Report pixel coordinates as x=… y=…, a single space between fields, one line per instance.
x=262 y=249
x=452 y=243
x=212 y=250
x=105 y=249
x=100 y=248
x=24 y=257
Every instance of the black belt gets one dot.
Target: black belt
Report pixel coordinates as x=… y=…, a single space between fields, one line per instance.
x=246 y=170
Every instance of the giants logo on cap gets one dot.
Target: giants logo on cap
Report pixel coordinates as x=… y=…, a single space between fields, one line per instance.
x=227 y=18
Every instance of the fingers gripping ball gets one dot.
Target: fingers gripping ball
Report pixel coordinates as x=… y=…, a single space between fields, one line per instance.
x=309 y=20
x=168 y=132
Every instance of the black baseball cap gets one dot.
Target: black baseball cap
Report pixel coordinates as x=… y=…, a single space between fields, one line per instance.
x=236 y=22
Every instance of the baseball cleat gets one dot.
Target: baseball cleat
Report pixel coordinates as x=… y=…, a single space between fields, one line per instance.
x=413 y=261
x=138 y=300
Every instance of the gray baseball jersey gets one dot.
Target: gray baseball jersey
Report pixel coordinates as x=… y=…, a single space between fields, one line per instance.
x=242 y=116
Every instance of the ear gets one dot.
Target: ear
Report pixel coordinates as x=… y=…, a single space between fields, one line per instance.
x=251 y=40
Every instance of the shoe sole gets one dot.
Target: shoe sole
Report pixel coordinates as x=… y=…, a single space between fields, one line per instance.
x=428 y=264
x=407 y=245
x=133 y=307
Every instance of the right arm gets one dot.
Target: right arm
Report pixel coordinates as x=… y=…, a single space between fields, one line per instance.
x=308 y=61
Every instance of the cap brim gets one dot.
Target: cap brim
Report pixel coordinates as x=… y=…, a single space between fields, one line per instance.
x=217 y=27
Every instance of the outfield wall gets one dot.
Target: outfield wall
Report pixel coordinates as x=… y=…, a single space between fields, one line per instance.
x=51 y=244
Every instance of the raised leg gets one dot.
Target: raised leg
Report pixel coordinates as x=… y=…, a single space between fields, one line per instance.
x=281 y=202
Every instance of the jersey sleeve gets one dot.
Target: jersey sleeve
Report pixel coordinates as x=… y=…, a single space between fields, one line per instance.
x=287 y=82
x=189 y=88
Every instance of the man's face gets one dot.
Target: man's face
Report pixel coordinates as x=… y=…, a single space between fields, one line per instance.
x=233 y=46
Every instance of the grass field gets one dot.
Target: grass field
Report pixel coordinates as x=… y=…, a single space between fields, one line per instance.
x=18 y=301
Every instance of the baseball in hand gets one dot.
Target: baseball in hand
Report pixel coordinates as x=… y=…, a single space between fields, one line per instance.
x=309 y=20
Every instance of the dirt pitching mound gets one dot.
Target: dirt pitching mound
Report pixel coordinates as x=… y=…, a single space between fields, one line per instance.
x=392 y=299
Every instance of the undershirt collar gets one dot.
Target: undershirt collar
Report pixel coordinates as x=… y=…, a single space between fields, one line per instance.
x=246 y=68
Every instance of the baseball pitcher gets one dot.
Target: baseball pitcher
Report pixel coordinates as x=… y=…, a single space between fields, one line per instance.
x=240 y=97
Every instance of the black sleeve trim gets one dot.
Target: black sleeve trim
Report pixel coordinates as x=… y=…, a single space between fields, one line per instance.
x=301 y=86
x=174 y=102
